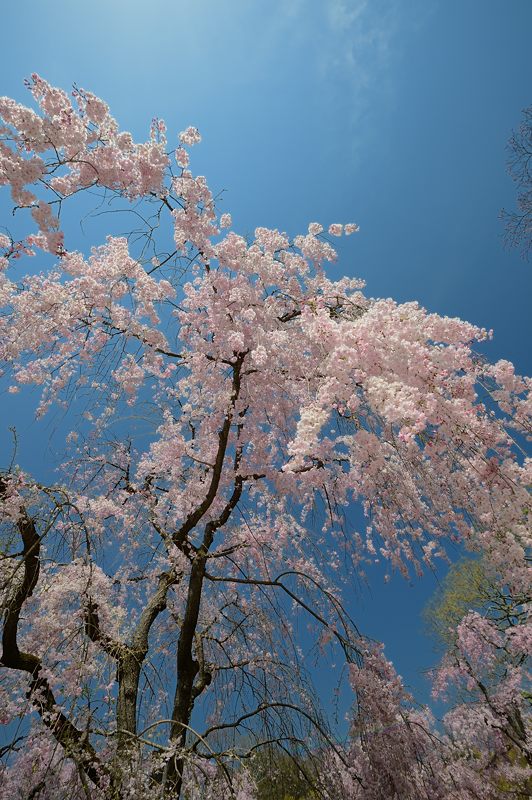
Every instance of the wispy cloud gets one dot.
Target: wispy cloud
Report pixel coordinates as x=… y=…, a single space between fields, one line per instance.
x=360 y=46
x=362 y=39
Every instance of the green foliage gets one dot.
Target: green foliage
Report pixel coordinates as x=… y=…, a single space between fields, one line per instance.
x=466 y=587
x=283 y=776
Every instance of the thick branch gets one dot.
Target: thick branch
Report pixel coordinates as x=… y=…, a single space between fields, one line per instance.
x=187 y=690
x=113 y=648
x=131 y=660
x=223 y=437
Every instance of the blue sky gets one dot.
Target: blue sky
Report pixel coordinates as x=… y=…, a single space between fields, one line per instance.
x=391 y=114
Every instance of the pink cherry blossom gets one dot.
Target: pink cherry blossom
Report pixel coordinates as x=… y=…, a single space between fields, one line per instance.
x=190 y=136
x=350 y=228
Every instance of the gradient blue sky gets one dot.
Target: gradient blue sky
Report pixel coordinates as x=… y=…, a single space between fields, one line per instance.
x=390 y=113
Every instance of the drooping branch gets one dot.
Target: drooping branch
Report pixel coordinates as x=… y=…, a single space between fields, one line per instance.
x=350 y=650
x=72 y=740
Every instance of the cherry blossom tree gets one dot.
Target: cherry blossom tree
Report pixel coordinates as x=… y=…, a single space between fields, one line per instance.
x=481 y=749
x=229 y=402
